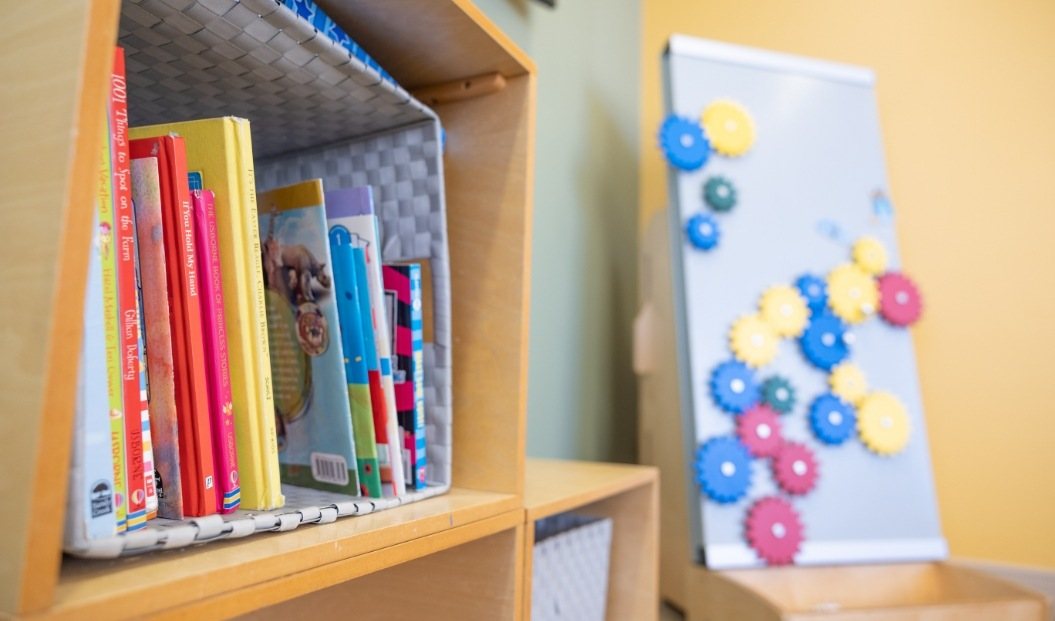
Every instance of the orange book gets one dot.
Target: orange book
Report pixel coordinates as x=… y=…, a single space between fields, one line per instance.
x=197 y=474
x=127 y=296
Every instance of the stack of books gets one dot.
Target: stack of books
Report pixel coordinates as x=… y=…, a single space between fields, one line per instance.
x=230 y=348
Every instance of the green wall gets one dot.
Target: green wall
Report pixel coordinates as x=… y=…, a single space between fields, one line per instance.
x=582 y=392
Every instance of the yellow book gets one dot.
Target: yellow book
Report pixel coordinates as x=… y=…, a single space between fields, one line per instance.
x=221 y=151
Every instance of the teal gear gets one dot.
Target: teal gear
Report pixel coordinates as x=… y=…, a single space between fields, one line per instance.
x=779 y=394
x=719 y=193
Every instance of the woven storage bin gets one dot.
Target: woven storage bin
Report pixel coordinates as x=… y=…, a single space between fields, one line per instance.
x=315 y=111
x=569 y=568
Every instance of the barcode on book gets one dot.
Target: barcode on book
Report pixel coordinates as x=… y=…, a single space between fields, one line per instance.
x=327 y=468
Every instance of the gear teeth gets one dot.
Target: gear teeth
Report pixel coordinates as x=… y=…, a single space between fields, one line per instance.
x=870 y=255
x=795 y=468
x=779 y=394
x=848 y=382
x=883 y=424
x=720 y=194
x=759 y=430
x=733 y=387
x=684 y=143
x=852 y=293
x=729 y=127
x=825 y=343
x=753 y=341
x=832 y=420
x=774 y=530
x=784 y=310
x=723 y=469
x=900 y=303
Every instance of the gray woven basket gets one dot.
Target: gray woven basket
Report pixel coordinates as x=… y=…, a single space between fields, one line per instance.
x=315 y=111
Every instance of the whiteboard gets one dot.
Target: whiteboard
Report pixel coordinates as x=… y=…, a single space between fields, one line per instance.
x=806 y=192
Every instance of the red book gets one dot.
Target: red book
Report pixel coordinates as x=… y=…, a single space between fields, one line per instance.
x=221 y=407
x=127 y=294
x=197 y=476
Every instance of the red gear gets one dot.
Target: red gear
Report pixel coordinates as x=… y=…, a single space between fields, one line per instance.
x=759 y=430
x=900 y=303
x=774 y=530
x=795 y=468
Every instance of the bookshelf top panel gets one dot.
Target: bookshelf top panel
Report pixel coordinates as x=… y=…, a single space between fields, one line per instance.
x=553 y=486
x=258 y=60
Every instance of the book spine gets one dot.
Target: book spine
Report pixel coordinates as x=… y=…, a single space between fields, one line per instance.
x=377 y=393
x=268 y=491
x=417 y=456
x=149 y=472
x=112 y=329
x=146 y=199
x=90 y=505
x=392 y=472
x=127 y=297
x=221 y=407
x=359 y=398
x=195 y=426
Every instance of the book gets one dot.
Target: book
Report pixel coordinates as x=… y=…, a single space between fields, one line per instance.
x=352 y=339
x=161 y=405
x=127 y=297
x=90 y=512
x=354 y=209
x=403 y=296
x=221 y=408
x=316 y=445
x=197 y=476
x=112 y=327
x=149 y=471
x=220 y=155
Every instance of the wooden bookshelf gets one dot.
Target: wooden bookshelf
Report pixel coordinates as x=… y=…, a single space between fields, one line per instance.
x=627 y=494
x=54 y=58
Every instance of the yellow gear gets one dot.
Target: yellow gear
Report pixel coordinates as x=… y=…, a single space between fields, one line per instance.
x=870 y=255
x=729 y=127
x=784 y=310
x=852 y=294
x=883 y=424
x=848 y=382
x=753 y=341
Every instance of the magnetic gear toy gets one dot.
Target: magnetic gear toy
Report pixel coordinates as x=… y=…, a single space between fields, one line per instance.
x=729 y=127
x=795 y=468
x=824 y=343
x=784 y=310
x=723 y=469
x=773 y=528
x=814 y=290
x=734 y=387
x=759 y=430
x=882 y=423
x=703 y=231
x=779 y=394
x=719 y=194
x=683 y=143
x=852 y=293
x=900 y=303
x=753 y=341
x=848 y=382
x=870 y=255
x=833 y=420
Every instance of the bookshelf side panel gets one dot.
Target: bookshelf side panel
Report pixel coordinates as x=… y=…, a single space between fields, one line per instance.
x=58 y=60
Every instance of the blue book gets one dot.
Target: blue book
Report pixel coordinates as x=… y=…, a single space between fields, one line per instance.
x=312 y=411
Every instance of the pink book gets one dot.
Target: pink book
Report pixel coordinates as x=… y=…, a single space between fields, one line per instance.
x=221 y=409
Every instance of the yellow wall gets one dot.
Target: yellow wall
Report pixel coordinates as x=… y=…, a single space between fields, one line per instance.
x=967 y=106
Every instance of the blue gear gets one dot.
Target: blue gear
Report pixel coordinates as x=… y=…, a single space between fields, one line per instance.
x=683 y=143
x=814 y=290
x=832 y=419
x=703 y=231
x=723 y=469
x=734 y=387
x=824 y=341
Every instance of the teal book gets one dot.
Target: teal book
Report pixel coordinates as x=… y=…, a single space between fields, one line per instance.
x=349 y=308
x=312 y=412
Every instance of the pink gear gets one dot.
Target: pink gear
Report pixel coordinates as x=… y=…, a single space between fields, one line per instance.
x=774 y=530
x=900 y=303
x=759 y=430
x=795 y=468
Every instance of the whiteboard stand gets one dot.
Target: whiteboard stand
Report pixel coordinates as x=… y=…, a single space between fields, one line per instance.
x=937 y=591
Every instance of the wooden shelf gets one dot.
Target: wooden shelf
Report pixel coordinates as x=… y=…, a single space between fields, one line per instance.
x=166 y=580
x=627 y=494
